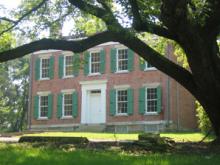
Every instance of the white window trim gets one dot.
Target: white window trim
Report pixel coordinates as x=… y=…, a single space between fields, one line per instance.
x=64 y=93
x=39 y=106
x=148 y=69
x=120 y=114
x=146 y=101
x=90 y=62
x=64 y=67
x=120 y=71
x=46 y=78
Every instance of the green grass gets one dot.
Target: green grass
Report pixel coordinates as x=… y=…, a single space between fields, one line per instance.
x=23 y=154
x=178 y=137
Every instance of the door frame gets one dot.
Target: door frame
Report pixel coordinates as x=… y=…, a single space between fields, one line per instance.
x=86 y=87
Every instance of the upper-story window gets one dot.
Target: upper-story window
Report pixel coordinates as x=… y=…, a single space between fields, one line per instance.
x=45 y=67
x=122 y=60
x=94 y=62
x=148 y=66
x=68 y=66
x=144 y=65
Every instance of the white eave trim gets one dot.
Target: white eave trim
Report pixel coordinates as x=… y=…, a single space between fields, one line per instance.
x=46 y=51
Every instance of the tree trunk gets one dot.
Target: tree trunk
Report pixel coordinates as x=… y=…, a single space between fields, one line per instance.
x=213 y=112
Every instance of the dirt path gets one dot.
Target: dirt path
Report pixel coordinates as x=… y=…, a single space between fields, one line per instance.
x=9 y=139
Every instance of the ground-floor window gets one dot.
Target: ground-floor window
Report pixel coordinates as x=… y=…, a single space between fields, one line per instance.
x=67 y=104
x=122 y=101
x=43 y=106
x=151 y=100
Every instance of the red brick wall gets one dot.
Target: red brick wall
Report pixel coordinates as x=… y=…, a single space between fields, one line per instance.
x=135 y=79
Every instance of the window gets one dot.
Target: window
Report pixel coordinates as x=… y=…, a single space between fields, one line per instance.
x=45 y=66
x=148 y=66
x=43 y=106
x=122 y=101
x=68 y=66
x=151 y=100
x=122 y=60
x=95 y=62
x=67 y=105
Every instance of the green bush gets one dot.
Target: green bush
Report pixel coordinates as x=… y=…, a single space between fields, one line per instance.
x=204 y=123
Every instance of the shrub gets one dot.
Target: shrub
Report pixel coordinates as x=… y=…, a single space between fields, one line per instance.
x=204 y=123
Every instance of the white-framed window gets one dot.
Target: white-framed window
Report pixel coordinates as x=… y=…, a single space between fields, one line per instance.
x=151 y=100
x=44 y=68
x=121 y=101
x=68 y=66
x=148 y=66
x=94 y=62
x=43 y=106
x=67 y=104
x=122 y=60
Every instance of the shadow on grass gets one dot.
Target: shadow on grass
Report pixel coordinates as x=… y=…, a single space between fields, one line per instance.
x=23 y=154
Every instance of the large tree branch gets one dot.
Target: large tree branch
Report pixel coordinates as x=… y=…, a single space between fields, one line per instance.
x=143 y=26
x=103 y=13
x=15 y=23
x=44 y=44
x=177 y=72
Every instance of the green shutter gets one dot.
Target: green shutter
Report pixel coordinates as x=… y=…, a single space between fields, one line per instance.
x=102 y=60
x=51 y=71
x=142 y=64
x=59 y=105
x=36 y=107
x=86 y=63
x=61 y=60
x=112 y=102
x=113 y=60
x=130 y=60
x=130 y=102
x=37 y=69
x=142 y=100
x=50 y=105
x=76 y=64
x=159 y=98
x=75 y=104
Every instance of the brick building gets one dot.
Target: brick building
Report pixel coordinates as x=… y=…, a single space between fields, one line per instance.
x=106 y=88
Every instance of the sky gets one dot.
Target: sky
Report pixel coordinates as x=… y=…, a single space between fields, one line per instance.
x=10 y=3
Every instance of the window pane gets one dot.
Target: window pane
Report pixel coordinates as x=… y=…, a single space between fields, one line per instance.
x=95 y=62
x=43 y=106
x=148 y=65
x=68 y=104
x=122 y=100
x=122 y=59
x=151 y=100
x=68 y=65
x=45 y=68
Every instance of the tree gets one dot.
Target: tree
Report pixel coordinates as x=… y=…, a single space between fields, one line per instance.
x=194 y=25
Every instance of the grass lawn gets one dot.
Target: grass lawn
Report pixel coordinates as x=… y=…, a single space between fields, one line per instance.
x=178 y=137
x=24 y=154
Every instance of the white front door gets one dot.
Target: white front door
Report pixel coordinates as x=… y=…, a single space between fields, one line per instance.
x=95 y=112
x=93 y=106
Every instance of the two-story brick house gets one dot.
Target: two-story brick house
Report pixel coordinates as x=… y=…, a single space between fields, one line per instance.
x=114 y=90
